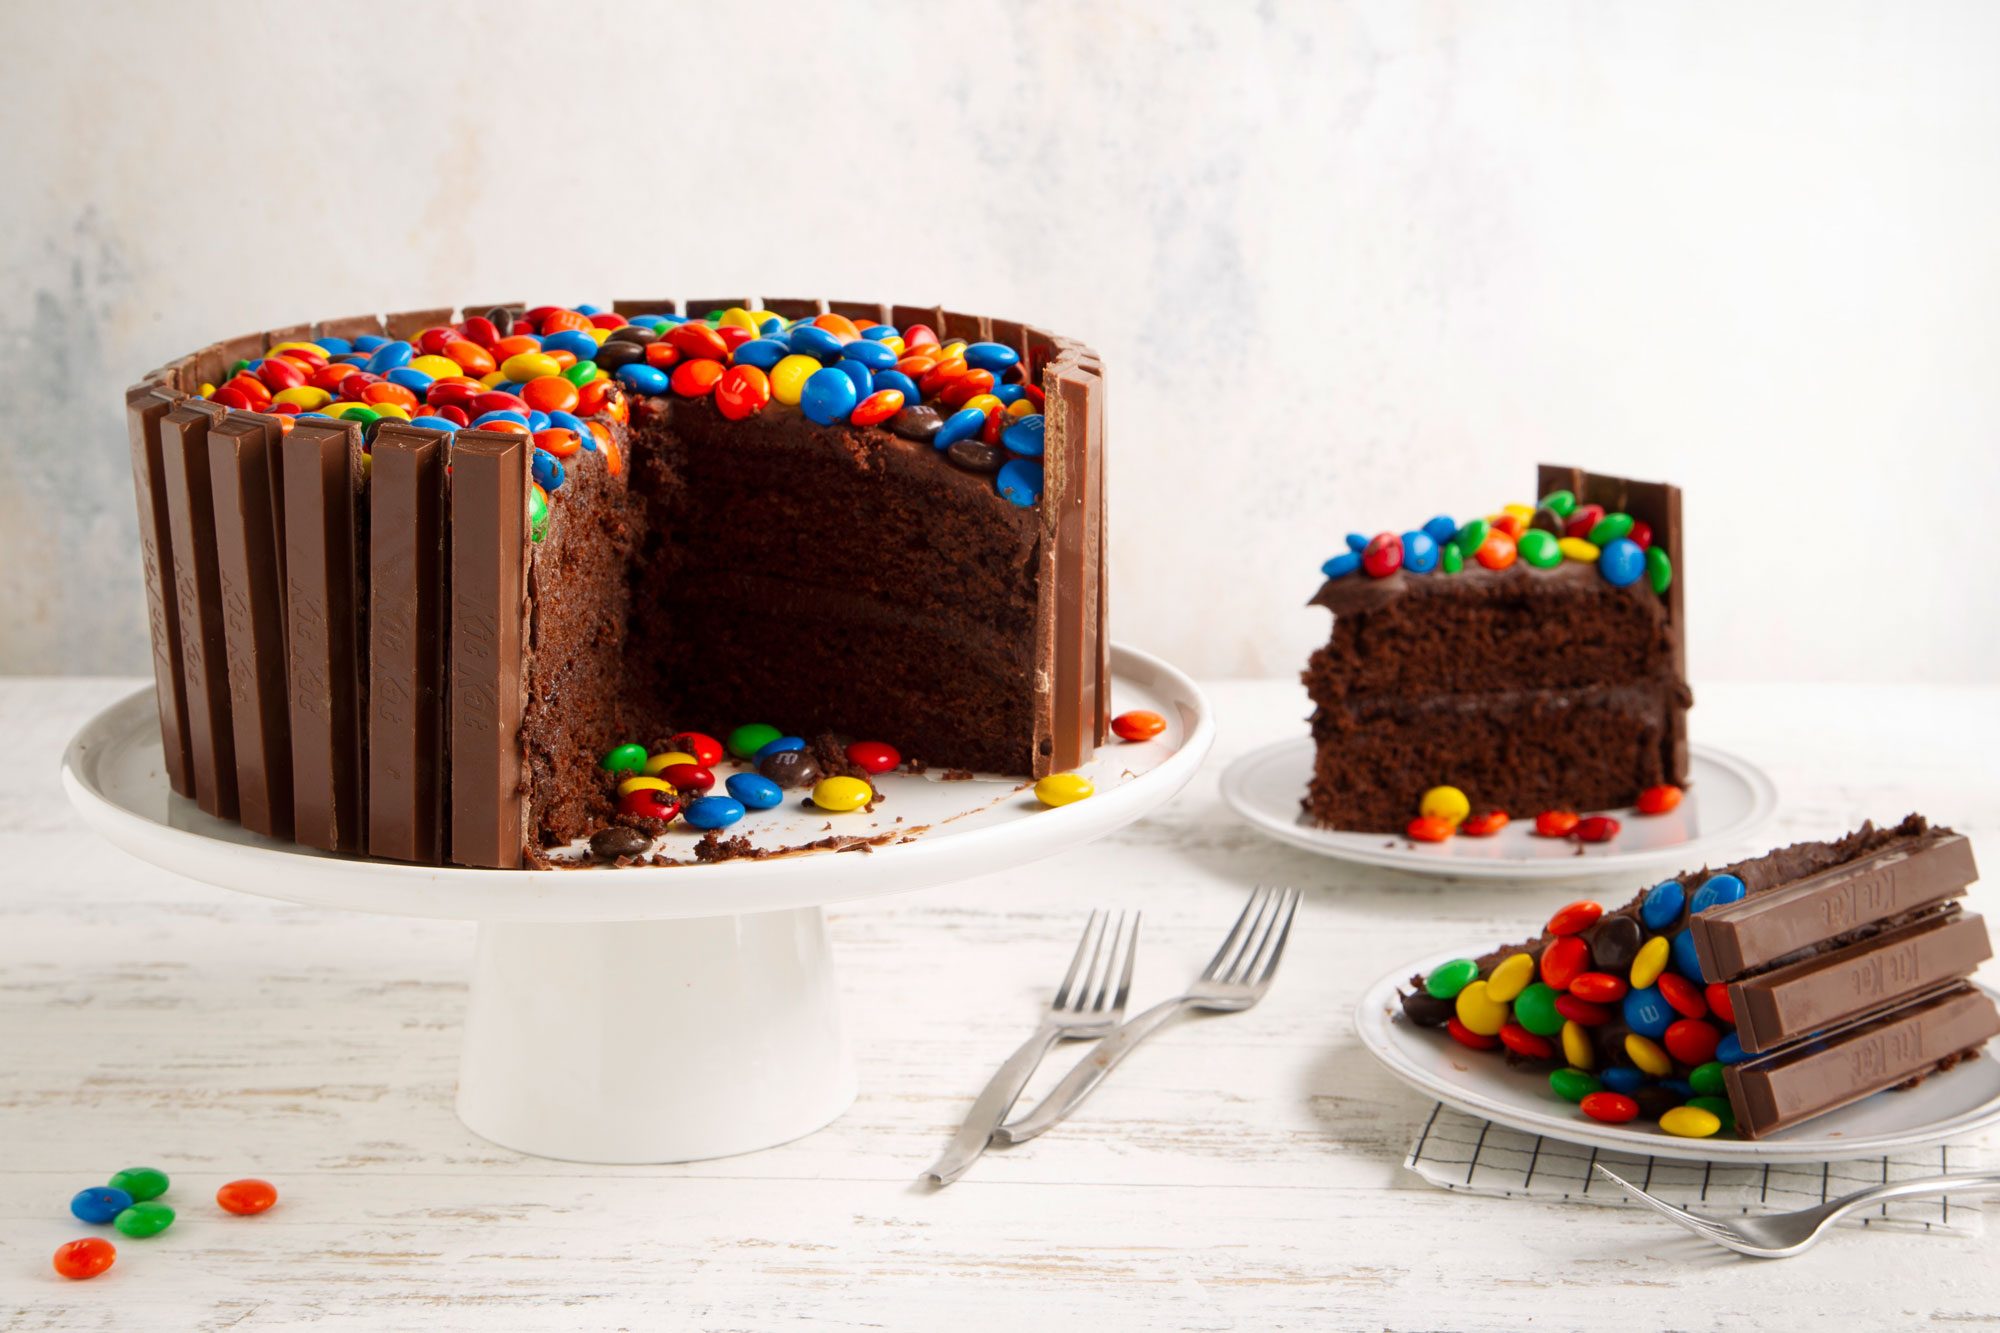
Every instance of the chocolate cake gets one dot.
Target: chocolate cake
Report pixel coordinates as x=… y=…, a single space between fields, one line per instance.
x=409 y=579
x=1755 y=996
x=1533 y=659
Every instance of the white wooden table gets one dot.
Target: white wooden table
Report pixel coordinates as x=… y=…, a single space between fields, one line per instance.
x=1241 y=1172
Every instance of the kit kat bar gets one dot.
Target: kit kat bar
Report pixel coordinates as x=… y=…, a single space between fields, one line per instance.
x=239 y=450
x=488 y=639
x=1778 y=1090
x=794 y=307
x=406 y=598
x=864 y=313
x=1765 y=928
x=322 y=467
x=145 y=407
x=1832 y=988
x=198 y=601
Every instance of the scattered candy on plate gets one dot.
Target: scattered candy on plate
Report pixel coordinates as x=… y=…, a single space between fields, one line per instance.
x=1063 y=789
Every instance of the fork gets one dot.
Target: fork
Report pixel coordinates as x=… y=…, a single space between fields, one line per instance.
x=1089 y=1009
x=1234 y=979
x=1782 y=1235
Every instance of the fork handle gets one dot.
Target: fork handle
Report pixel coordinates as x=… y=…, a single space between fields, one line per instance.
x=1002 y=1090
x=1974 y=1183
x=1090 y=1071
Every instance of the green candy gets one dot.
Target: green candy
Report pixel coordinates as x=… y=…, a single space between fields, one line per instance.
x=1609 y=529
x=625 y=759
x=1563 y=502
x=582 y=373
x=1539 y=549
x=141 y=1182
x=144 y=1219
x=1448 y=979
x=538 y=513
x=1573 y=1085
x=1707 y=1079
x=1535 y=1010
x=1451 y=559
x=746 y=740
x=367 y=416
x=1470 y=537
x=1717 y=1107
x=1659 y=569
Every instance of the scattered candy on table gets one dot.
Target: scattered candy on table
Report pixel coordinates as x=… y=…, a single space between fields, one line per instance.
x=1064 y=789
x=141 y=1182
x=246 y=1197
x=99 y=1204
x=82 y=1259
x=144 y=1219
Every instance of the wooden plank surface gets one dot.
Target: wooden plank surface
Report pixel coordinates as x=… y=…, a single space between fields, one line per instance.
x=1239 y=1173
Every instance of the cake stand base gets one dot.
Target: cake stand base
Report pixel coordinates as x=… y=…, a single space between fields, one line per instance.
x=653 y=1041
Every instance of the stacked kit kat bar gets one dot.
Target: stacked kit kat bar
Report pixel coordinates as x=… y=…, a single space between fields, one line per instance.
x=1755 y=997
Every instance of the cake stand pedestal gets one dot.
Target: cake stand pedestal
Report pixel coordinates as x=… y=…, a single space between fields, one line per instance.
x=656 y=1014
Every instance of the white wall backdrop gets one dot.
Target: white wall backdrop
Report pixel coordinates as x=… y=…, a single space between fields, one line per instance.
x=1348 y=265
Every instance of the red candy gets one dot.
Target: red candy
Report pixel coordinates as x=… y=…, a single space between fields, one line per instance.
x=733 y=335
x=1582 y=1011
x=919 y=335
x=1564 y=961
x=662 y=356
x=1659 y=800
x=1582 y=519
x=1598 y=988
x=1383 y=555
x=246 y=1198
x=1682 y=994
x=742 y=391
x=1575 y=918
x=1484 y=825
x=650 y=802
x=1465 y=1036
x=1597 y=828
x=687 y=777
x=1691 y=1041
x=1510 y=524
x=82 y=1259
x=707 y=750
x=877 y=407
x=478 y=330
x=1429 y=828
x=1613 y=1108
x=1137 y=725
x=1525 y=1043
x=1718 y=1003
x=1555 y=823
x=873 y=756
x=699 y=341
x=1641 y=534
x=495 y=401
x=964 y=388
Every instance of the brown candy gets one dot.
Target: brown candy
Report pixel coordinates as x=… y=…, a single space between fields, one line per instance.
x=790 y=768
x=972 y=456
x=612 y=843
x=917 y=423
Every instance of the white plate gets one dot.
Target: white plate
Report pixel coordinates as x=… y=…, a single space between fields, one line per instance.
x=114 y=776
x=1945 y=1106
x=1728 y=799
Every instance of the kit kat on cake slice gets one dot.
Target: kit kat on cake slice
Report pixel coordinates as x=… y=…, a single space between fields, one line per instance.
x=322 y=539
x=407 y=596
x=489 y=638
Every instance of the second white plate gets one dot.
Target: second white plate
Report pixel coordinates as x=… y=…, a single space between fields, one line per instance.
x=1728 y=799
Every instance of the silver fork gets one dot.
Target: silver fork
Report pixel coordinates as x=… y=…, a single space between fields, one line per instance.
x=1086 y=1008
x=1234 y=979
x=1782 y=1235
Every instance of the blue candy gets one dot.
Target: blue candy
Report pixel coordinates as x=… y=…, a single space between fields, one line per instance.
x=771 y=326
x=1680 y=1087
x=649 y=321
x=588 y=309
x=1357 y=541
x=1341 y=565
x=778 y=746
x=995 y=357
x=901 y=383
x=538 y=420
x=514 y=417
x=879 y=332
x=433 y=423
x=710 y=812
x=334 y=346
x=99 y=1204
x=388 y=356
x=570 y=421
x=1622 y=562
x=829 y=395
x=1730 y=1049
x=1647 y=1012
x=762 y=353
x=863 y=377
x=1009 y=393
x=755 y=791
x=574 y=341
x=548 y=470
x=368 y=342
x=1686 y=962
x=1441 y=529
x=811 y=340
x=1420 y=553
x=1622 y=1079
x=1718 y=890
x=1024 y=437
x=642 y=378
x=1019 y=482
x=1663 y=904
x=870 y=354
x=415 y=381
x=961 y=425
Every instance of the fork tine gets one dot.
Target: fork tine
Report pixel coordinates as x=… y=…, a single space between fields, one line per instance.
x=1076 y=961
x=1113 y=940
x=1701 y=1226
x=1235 y=934
x=1131 y=957
x=1254 y=941
x=1106 y=937
x=1264 y=966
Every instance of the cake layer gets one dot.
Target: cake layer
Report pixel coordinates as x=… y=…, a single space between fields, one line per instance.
x=1521 y=752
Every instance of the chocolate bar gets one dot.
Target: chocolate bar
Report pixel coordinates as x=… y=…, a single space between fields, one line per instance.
x=406 y=645
x=146 y=405
x=253 y=619
x=488 y=628
x=198 y=600
x=322 y=471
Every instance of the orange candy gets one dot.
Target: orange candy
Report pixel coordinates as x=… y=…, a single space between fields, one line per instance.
x=550 y=393
x=246 y=1198
x=559 y=441
x=614 y=461
x=558 y=321
x=1497 y=551
x=1137 y=725
x=1659 y=800
x=514 y=346
x=877 y=407
x=698 y=340
x=1484 y=825
x=1429 y=828
x=840 y=326
x=82 y=1259
x=474 y=359
x=1555 y=823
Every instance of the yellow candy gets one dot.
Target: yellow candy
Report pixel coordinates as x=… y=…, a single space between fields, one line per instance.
x=342 y=409
x=529 y=366
x=396 y=410
x=494 y=380
x=437 y=367
x=1063 y=788
x=1650 y=961
x=637 y=783
x=1690 y=1122
x=841 y=793
x=1021 y=407
x=304 y=396
x=1576 y=1046
x=1479 y=1011
x=789 y=376
x=598 y=335
x=660 y=761
x=208 y=391
x=1523 y=512
x=367 y=466
x=1576 y=548
x=951 y=349
x=1446 y=803
x=759 y=316
x=1648 y=1056
x=299 y=346
x=1510 y=978
x=737 y=317
x=982 y=401
x=895 y=345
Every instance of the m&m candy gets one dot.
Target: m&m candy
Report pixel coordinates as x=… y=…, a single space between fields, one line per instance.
x=141 y=1182
x=144 y=1219
x=1138 y=725
x=84 y=1259
x=712 y=812
x=1446 y=803
x=246 y=1197
x=755 y=791
x=1555 y=823
x=874 y=756
x=746 y=740
x=99 y=1204
x=1063 y=789
x=1659 y=800
x=841 y=794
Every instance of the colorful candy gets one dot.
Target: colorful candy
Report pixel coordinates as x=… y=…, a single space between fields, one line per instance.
x=144 y=1219
x=1446 y=803
x=246 y=1197
x=141 y=1182
x=1660 y=800
x=1484 y=825
x=1064 y=789
x=81 y=1260
x=841 y=794
x=1690 y=1122
x=1428 y=828
x=1595 y=828
x=1575 y=918
x=874 y=756
x=746 y=740
x=99 y=1204
x=1613 y=1108
x=712 y=812
x=1447 y=979
x=1137 y=725
x=754 y=791
x=1555 y=823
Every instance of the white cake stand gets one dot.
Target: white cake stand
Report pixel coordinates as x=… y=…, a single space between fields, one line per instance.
x=657 y=1014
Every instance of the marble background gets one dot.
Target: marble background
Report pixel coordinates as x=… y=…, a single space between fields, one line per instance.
x=1348 y=265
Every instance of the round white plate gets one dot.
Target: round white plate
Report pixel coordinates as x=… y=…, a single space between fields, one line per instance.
x=1728 y=799
x=114 y=776
x=1943 y=1107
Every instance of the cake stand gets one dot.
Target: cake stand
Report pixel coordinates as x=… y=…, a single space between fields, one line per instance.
x=657 y=1014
